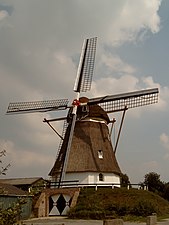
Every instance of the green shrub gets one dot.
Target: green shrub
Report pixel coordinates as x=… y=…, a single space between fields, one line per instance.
x=122 y=209
x=144 y=208
x=12 y=214
x=106 y=202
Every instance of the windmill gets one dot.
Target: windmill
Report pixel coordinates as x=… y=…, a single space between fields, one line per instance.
x=86 y=153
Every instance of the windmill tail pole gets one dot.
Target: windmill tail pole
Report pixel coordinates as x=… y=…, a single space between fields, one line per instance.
x=122 y=120
x=46 y=121
x=111 y=129
x=69 y=141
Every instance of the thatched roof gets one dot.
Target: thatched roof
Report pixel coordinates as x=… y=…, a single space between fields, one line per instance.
x=93 y=111
x=88 y=140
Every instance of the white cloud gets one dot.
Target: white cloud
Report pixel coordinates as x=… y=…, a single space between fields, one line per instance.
x=164 y=98
x=164 y=138
x=150 y=82
x=133 y=18
x=16 y=86
x=3 y=14
x=29 y=159
x=130 y=83
x=39 y=133
x=150 y=166
x=109 y=85
x=113 y=21
x=114 y=64
x=162 y=104
x=23 y=160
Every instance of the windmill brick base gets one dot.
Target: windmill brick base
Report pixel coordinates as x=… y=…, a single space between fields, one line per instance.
x=56 y=202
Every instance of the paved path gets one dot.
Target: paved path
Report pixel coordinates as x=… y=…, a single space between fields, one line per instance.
x=61 y=221
x=65 y=221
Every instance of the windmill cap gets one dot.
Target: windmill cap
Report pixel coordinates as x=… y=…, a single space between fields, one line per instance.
x=83 y=100
x=95 y=111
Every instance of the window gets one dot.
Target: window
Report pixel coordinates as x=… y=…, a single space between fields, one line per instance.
x=100 y=154
x=101 y=177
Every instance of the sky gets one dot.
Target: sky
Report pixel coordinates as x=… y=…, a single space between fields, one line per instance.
x=40 y=45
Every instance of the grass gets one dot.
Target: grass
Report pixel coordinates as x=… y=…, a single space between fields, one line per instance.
x=130 y=204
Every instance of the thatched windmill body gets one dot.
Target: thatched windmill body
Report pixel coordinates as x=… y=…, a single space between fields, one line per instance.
x=86 y=153
x=91 y=158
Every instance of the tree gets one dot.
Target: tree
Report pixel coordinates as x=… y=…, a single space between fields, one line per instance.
x=3 y=169
x=153 y=182
x=166 y=191
x=125 y=180
x=11 y=214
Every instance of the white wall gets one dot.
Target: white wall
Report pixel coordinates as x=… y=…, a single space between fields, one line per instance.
x=93 y=178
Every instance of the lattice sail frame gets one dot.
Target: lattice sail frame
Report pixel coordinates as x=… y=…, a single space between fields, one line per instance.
x=37 y=106
x=113 y=103
x=86 y=66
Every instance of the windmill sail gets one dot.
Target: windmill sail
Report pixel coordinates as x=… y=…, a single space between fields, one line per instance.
x=58 y=165
x=82 y=84
x=37 y=106
x=112 y=103
x=86 y=66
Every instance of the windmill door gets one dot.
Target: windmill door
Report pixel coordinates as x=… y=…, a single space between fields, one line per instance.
x=59 y=204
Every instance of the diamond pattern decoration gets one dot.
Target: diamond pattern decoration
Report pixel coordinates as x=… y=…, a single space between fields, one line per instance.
x=59 y=204
x=53 y=206
x=67 y=205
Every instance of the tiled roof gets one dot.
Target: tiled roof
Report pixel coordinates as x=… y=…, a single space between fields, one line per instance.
x=7 y=189
x=21 y=181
